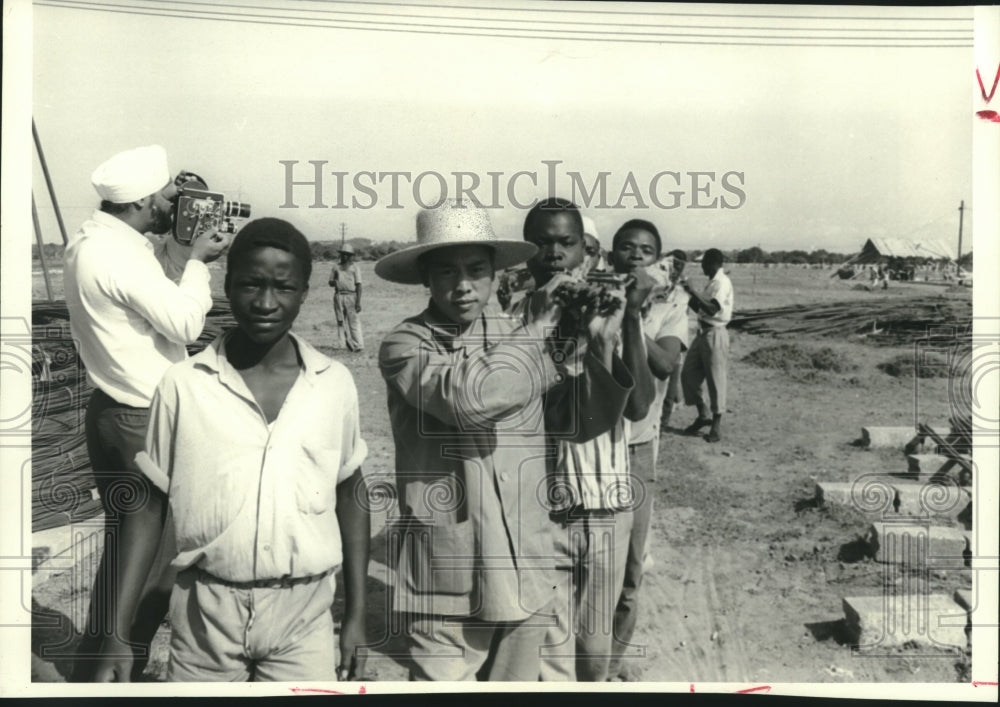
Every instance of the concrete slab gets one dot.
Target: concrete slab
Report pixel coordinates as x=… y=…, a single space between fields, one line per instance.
x=898 y=437
x=930 y=499
x=887 y=437
x=869 y=494
x=833 y=493
x=917 y=544
x=893 y=620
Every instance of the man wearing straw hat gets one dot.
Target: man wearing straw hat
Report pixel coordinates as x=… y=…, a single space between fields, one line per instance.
x=130 y=322
x=345 y=278
x=473 y=397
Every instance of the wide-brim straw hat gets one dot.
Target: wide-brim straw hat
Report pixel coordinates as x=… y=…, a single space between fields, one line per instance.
x=451 y=224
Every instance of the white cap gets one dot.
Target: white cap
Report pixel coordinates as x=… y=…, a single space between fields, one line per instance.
x=589 y=227
x=132 y=175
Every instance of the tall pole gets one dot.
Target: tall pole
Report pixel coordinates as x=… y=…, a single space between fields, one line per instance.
x=961 y=217
x=343 y=230
x=41 y=249
x=48 y=183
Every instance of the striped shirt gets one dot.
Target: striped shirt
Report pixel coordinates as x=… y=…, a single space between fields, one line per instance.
x=595 y=474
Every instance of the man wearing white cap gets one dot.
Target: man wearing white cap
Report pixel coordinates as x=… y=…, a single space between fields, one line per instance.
x=130 y=322
x=474 y=399
x=595 y=259
x=345 y=278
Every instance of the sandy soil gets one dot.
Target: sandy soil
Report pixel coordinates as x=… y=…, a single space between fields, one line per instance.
x=749 y=573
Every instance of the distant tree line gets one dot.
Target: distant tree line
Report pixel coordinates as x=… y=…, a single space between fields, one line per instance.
x=368 y=250
x=756 y=254
x=321 y=250
x=364 y=248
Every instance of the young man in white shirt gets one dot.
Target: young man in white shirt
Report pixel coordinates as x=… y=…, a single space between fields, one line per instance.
x=130 y=322
x=708 y=359
x=636 y=246
x=256 y=441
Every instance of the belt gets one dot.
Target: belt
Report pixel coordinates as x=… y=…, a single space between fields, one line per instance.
x=578 y=511
x=633 y=447
x=264 y=583
x=346 y=292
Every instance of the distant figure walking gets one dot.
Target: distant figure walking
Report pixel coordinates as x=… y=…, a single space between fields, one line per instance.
x=345 y=278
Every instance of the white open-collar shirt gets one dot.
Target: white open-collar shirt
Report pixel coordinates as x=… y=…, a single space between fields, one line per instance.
x=129 y=320
x=250 y=500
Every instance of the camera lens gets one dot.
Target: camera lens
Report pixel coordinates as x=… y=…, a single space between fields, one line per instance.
x=236 y=209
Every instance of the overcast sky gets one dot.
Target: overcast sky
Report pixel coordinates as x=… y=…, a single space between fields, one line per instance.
x=832 y=144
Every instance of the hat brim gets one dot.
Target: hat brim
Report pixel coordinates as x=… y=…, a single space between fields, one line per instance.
x=401 y=266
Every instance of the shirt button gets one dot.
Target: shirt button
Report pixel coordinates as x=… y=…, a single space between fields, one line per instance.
x=267 y=548
x=504 y=476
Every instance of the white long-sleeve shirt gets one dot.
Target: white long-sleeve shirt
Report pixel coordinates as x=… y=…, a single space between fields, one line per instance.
x=129 y=321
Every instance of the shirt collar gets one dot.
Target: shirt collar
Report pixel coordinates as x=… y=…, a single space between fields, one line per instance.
x=448 y=333
x=213 y=357
x=121 y=229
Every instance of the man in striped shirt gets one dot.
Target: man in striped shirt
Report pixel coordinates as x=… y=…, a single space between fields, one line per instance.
x=589 y=482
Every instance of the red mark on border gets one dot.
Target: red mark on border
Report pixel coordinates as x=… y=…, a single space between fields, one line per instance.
x=982 y=88
x=990 y=115
x=323 y=691
x=298 y=690
x=759 y=688
x=982 y=683
x=692 y=687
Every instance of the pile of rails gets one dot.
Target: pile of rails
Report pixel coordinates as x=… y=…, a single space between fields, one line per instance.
x=892 y=321
x=62 y=490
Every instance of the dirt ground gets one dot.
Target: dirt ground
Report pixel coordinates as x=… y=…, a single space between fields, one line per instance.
x=749 y=573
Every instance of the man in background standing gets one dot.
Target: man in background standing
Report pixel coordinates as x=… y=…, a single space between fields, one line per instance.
x=345 y=278
x=708 y=359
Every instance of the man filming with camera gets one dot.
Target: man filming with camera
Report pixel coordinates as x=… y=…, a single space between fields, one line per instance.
x=130 y=322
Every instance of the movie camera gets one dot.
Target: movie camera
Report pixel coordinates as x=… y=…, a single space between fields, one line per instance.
x=198 y=210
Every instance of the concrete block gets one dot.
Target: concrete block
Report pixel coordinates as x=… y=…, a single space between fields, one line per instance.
x=899 y=437
x=930 y=499
x=868 y=495
x=887 y=437
x=893 y=620
x=917 y=544
x=834 y=493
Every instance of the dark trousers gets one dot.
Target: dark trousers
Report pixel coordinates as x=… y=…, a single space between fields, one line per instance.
x=641 y=461
x=115 y=434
